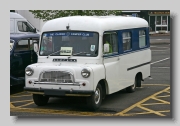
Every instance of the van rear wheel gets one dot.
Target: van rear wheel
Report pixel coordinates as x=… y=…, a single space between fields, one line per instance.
x=40 y=100
x=94 y=101
x=132 y=88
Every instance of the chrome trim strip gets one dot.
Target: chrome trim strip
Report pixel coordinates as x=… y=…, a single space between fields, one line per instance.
x=52 y=83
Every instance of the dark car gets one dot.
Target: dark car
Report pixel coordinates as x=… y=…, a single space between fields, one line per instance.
x=21 y=55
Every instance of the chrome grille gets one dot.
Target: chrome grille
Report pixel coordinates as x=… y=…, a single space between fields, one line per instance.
x=56 y=77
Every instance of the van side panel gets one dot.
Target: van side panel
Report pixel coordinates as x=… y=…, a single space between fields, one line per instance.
x=12 y=26
x=122 y=69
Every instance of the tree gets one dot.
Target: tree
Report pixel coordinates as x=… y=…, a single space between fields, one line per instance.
x=52 y=14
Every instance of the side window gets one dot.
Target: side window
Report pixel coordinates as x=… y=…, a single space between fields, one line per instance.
x=111 y=39
x=22 y=45
x=127 y=42
x=142 y=38
x=24 y=27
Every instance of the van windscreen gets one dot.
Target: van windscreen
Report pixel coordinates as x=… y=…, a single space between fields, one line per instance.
x=69 y=43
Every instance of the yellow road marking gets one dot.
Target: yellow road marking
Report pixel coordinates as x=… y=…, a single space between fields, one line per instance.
x=140 y=102
x=167 y=91
x=163 y=96
x=150 y=110
x=122 y=113
x=18 y=93
x=143 y=113
x=163 y=101
x=155 y=85
x=20 y=96
x=21 y=101
x=61 y=112
x=152 y=104
x=25 y=105
x=11 y=105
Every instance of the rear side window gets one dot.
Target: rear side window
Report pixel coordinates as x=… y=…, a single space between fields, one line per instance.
x=127 y=42
x=142 y=38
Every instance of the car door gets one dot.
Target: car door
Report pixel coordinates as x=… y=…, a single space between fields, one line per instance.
x=23 y=54
x=15 y=61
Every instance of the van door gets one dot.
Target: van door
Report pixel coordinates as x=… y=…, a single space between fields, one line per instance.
x=111 y=61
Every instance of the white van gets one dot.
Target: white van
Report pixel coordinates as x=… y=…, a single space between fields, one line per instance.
x=89 y=56
x=18 y=24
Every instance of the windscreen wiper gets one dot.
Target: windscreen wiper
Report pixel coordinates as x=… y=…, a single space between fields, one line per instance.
x=54 y=53
x=57 y=52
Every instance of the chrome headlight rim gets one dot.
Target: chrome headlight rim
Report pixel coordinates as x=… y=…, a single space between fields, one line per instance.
x=85 y=72
x=29 y=71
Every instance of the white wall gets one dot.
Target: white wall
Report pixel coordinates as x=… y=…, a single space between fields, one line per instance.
x=37 y=23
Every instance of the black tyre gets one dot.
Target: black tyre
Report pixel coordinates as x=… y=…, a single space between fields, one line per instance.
x=40 y=100
x=94 y=101
x=132 y=88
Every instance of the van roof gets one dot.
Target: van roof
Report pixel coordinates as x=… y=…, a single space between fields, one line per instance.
x=15 y=15
x=94 y=23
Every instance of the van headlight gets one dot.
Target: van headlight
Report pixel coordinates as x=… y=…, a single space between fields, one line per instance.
x=29 y=71
x=85 y=73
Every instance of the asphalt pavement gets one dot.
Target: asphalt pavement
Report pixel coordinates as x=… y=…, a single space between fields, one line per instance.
x=159 y=39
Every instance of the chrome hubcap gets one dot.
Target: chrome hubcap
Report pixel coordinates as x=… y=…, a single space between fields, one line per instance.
x=97 y=96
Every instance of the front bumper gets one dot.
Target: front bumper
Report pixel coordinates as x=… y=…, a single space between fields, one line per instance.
x=58 y=92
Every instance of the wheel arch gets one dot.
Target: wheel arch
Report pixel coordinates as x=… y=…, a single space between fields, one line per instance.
x=104 y=86
x=139 y=75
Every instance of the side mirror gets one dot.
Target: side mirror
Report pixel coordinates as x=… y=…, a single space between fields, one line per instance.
x=106 y=48
x=34 y=30
x=36 y=47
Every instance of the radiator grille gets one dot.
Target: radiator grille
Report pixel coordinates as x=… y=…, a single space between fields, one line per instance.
x=56 y=76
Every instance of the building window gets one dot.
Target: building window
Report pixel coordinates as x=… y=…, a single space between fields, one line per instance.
x=142 y=38
x=127 y=41
x=161 y=20
x=164 y=20
x=111 y=39
x=158 y=20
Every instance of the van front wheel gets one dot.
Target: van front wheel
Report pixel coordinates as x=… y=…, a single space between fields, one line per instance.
x=40 y=100
x=94 y=101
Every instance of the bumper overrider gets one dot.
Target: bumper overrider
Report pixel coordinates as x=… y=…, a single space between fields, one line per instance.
x=58 y=92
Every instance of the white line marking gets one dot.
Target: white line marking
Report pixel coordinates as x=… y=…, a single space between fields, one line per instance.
x=160 y=50
x=160 y=60
x=160 y=67
x=160 y=47
x=159 y=39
